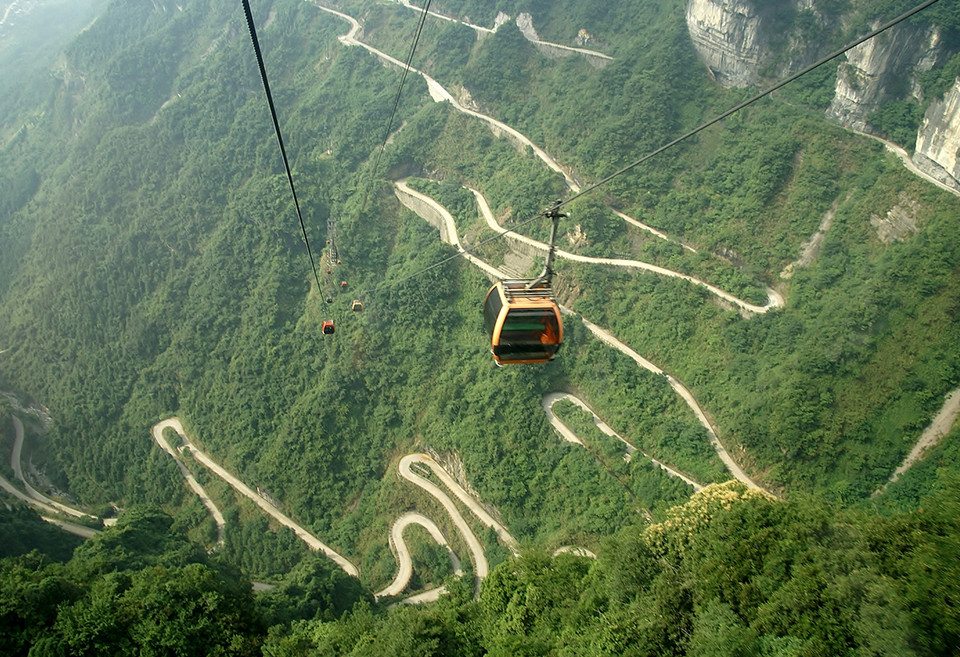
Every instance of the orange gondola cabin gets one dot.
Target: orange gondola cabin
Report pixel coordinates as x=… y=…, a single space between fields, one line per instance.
x=327 y=327
x=524 y=323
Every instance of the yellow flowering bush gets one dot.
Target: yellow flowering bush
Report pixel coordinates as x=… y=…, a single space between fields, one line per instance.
x=674 y=533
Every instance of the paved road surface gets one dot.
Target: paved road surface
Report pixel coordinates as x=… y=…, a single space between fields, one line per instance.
x=239 y=486
x=405 y=571
x=552 y=398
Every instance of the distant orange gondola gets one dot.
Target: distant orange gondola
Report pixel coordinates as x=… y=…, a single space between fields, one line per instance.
x=327 y=327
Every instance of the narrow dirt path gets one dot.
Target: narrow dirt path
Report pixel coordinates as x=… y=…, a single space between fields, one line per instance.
x=552 y=398
x=6 y=13
x=811 y=248
x=650 y=229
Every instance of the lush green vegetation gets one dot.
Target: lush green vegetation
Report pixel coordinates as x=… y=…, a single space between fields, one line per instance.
x=151 y=265
x=143 y=586
x=31 y=38
x=730 y=572
x=23 y=532
x=647 y=484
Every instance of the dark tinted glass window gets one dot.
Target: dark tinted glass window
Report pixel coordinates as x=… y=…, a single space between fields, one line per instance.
x=530 y=327
x=491 y=311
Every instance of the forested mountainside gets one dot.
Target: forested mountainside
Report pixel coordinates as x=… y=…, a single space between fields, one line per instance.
x=799 y=332
x=32 y=36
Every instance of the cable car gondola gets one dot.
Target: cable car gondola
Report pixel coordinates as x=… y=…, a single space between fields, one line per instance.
x=524 y=323
x=327 y=327
x=522 y=317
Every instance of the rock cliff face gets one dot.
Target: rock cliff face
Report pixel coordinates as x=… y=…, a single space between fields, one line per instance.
x=875 y=71
x=938 y=140
x=735 y=39
x=738 y=38
x=727 y=35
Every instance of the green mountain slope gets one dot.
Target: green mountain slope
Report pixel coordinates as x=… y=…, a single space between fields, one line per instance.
x=151 y=265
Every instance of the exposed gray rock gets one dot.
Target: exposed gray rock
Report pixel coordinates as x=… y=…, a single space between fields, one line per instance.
x=938 y=140
x=742 y=40
x=900 y=223
x=525 y=23
x=726 y=34
x=876 y=70
x=736 y=40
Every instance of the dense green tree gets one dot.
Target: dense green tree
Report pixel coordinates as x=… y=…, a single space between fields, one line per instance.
x=24 y=530
x=315 y=589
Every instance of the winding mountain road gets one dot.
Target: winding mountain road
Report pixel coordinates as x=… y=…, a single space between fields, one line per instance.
x=439 y=94
x=15 y=463
x=486 y=30
x=774 y=298
x=194 y=485
x=246 y=491
x=468 y=500
x=405 y=470
x=479 y=28
x=447 y=227
x=405 y=571
x=908 y=162
x=429 y=209
x=440 y=218
x=446 y=224
x=48 y=508
x=552 y=398
x=23 y=497
x=734 y=469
